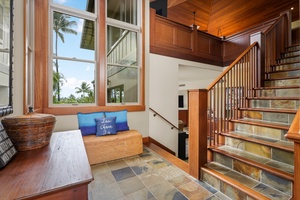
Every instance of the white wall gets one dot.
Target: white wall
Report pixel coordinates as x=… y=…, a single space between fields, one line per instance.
x=163 y=93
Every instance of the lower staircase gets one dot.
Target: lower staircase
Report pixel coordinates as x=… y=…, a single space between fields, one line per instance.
x=256 y=160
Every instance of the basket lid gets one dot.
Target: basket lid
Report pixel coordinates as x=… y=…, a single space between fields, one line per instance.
x=30 y=116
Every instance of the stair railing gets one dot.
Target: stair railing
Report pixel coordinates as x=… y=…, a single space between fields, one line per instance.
x=230 y=91
x=294 y=135
x=277 y=37
x=211 y=109
x=157 y=114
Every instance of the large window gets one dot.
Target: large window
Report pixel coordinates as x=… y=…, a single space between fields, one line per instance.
x=123 y=49
x=73 y=60
x=93 y=56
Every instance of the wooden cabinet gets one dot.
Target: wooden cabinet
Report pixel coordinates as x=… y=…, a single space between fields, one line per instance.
x=183 y=115
x=59 y=170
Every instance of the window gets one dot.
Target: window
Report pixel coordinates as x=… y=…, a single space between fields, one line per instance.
x=123 y=49
x=95 y=63
x=73 y=63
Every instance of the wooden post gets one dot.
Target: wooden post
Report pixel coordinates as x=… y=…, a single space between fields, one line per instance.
x=197 y=131
x=260 y=38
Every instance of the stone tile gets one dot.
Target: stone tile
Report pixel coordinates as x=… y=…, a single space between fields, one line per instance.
x=242 y=179
x=277 y=182
x=291 y=118
x=283 y=156
x=287 y=104
x=130 y=185
x=179 y=180
x=276 y=117
x=150 y=179
x=161 y=188
x=107 y=192
x=194 y=191
x=246 y=169
x=99 y=169
x=236 y=143
x=224 y=160
x=217 y=165
x=211 y=180
x=123 y=173
x=258 y=149
x=141 y=168
x=169 y=172
x=158 y=163
x=172 y=195
x=102 y=179
x=253 y=114
x=231 y=192
x=134 y=160
x=117 y=164
x=270 y=192
x=268 y=132
x=261 y=103
x=149 y=157
x=221 y=196
x=265 y=93
x=143 y=194
x=206 y=186
x=281 y=166
x=288 y=93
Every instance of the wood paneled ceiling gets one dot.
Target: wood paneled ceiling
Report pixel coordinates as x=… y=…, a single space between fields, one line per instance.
x=227 y=17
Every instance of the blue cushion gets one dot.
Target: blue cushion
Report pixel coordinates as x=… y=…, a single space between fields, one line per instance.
x=87 y=123
x=121 y=120
x=106 y=126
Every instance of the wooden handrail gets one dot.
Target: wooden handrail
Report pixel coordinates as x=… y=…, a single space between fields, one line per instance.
x=156 y=113
x=294 y=130
x=231 y=66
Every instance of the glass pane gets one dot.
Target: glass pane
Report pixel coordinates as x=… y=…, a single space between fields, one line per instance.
x=122 y=85
x=73 y=37
x=86 y=5
x=122 y=10
x=73 y=82
x=4 y=25
x=121 y=46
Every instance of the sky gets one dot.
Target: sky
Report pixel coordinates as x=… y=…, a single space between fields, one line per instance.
x=74 y=72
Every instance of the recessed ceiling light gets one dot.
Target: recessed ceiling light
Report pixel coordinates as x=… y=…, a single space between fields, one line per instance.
x=292 y=8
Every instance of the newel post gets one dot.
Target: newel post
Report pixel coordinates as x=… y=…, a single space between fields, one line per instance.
x=259 y=37
x=198 y=102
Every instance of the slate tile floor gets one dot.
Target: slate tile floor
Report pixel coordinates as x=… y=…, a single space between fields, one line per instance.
x=146 y=176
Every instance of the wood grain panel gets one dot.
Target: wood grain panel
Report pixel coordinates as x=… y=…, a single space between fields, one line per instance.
x=183 y=38
x=227 y=17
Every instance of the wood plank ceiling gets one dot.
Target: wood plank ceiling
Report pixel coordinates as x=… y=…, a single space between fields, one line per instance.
x=227 y=17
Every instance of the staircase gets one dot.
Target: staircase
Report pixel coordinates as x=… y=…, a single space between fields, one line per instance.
x=256 y=160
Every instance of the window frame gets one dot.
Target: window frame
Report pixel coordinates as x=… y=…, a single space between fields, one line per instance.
x=41 y=60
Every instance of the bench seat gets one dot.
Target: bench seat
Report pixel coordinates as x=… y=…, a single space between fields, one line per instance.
x=111 y=147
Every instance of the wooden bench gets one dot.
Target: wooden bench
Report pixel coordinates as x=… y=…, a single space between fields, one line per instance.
x=111 y=147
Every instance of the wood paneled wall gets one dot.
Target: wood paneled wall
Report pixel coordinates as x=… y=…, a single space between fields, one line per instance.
x=169 y=38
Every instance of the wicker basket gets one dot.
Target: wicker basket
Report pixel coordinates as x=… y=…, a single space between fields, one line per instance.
x=30 y=131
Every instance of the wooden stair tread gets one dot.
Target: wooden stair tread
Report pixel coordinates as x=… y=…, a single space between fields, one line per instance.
x=263 y=163
x=262 y=123
x=275 y=143
x=278 y=87
x=282 y=78
x=274 y=98
x=289 y=111
x=236 y=184
x=286 y=63
x=284 y=70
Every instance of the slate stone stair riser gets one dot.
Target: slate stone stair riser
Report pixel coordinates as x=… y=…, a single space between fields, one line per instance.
x=255 y=173
x=288 y=60
x=270 y=116
x=275 y=104
x=292 y=92
x=226 y=189
x=286 y=66
x=261 y=131
x=286 y=82
x=292 y=53
x=285 y=74
x=261 y=150
x=292 y=48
